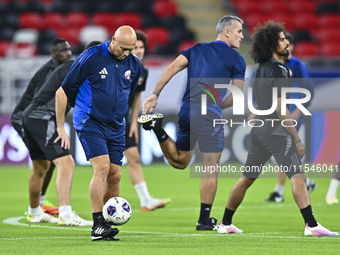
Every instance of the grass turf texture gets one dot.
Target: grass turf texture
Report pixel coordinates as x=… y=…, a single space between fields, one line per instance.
x=268 y=227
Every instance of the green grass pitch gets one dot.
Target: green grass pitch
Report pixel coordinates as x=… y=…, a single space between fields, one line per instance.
x=269 y=228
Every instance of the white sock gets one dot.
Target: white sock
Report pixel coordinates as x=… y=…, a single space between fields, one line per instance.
x=34 y=211
x=42 y=199
x=65 y=211
x=143 y=193
x=279 y=189
x=333 y=187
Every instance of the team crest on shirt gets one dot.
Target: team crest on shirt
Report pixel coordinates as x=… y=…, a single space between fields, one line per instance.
x=127 y=74
x=140 y=81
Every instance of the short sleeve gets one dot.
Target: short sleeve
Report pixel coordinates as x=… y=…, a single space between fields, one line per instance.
x=239 y=68
x=186 y=53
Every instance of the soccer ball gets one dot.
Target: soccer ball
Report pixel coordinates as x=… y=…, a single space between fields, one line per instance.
x=117 y=211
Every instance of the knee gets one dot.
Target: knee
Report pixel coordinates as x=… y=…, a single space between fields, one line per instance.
x=40 y=167
x=114 y=178
x=180 y=163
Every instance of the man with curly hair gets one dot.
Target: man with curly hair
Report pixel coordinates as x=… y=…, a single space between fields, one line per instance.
x=272 y=138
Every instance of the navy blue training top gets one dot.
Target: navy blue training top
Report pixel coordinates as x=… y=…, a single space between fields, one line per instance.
x=99 y=85
x=208 y=61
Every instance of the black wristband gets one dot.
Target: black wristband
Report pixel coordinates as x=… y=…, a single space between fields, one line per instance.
x=297 y=141
x=155 y=93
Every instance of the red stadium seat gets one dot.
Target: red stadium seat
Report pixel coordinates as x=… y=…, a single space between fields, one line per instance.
x=4 y=46
x=274 y=6
x=329 y=35
x=298 y=7
x=156 y=36
x=77 y=19
x=128 y=18
x=305 y=49
x=31 y=20
x=54 y=20
x=330 y=50
x=239 y=3
x=105 y=19
x=70 y=34
x=329 y=21
x=284 y=18
x=249 y=8
x=308 y=22
x=252 y=20
x=164 y=9
x=186 y=45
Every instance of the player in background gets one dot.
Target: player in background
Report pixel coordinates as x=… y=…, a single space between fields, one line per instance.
x=60 y=52
x=40 y=131
x=333 y=187
x=299 y=79
x=273 y=139
x=204 y=62
x=99 y=84
x=131 y=153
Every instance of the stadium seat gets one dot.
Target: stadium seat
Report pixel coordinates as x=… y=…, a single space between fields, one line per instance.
x=70 y=34
x=31 y=20
x=82 y=6
x=180 y=35
x=302 y=36
x=166 y=50
x=185 y=45
x=46 y=35
x=4 y=46
x=305 y=49
x=156 y=36
x=6 y=33
x=249 y=8
x=330 y=50
x=23 y=43
x=104 y=19
x=60 y=6
x=77 y=19
x=330 y=35
x=92 y=33
x=35 y=6
x=329 y=21
x=298 y=7
x=10 y=20
x=109 y=6
x=284 y=18
x=54 y=20
x=150 y=20
x=274 y=6
x=126 y=18
x=252 y=20
x=165 y=8
x=308 y=22
x=174 y=22
x=323 y=8
x=142 y=7
x=17 y=7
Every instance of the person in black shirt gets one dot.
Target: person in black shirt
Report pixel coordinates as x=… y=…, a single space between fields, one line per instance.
x=60 y=52
x=131 y=153
x=39 y=124
x=272 y=138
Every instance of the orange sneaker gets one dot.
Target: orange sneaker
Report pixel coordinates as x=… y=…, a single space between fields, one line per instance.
x=156 y=203
x=48 y=207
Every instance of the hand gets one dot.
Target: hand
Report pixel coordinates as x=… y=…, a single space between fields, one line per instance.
x=65 y=141
x=301 y=149
x=150 y=103
x=134 y=130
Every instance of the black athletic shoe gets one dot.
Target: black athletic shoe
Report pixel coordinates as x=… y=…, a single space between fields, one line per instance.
x=150 y=121
x=212 y=225
x=103 y=231
x=112 y=238
x=275 y=197
x=311 y=185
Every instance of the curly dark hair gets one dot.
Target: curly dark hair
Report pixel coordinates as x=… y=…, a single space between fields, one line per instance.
x=265 y=39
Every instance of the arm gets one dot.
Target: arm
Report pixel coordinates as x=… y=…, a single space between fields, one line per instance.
x=177 y=65
x=291 y=129
x=60 y=108
x=229 y=100
x=134 y=115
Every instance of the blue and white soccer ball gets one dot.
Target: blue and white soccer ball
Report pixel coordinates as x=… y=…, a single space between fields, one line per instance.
x=117 y=210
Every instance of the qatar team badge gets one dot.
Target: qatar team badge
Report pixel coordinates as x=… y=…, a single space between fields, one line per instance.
x=127 y=74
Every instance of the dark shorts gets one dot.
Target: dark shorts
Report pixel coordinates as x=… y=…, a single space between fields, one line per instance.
x=39 y=136
x=20 y=129
x=264 y=146
x=97 y=140
x=199 y=128
x=129 y=141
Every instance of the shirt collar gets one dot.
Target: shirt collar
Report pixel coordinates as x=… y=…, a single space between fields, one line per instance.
x=219 y=41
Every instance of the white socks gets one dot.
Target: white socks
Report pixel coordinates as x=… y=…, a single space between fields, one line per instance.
x=279 y=189
x=333 y=187
x=143 y=193
x=65 y=211
x=42 y=199
x=35 y=211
